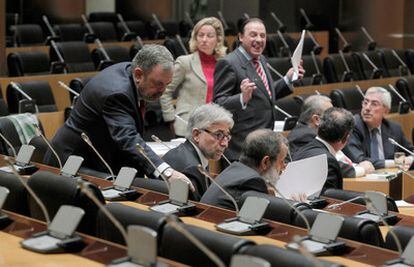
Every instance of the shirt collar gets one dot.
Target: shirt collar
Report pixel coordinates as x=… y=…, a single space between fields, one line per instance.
x=328 y=146
x=245 y=54
x=203 y=159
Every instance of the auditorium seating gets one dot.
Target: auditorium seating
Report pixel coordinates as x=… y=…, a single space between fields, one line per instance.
x=103 y=17
x=392 y=66
x=28 y=63
x=76 y=56
x=16 y=200
x=366 y=69
x=105 y=31
x=281 y=64
x=348 y=98
x=334 y=68
x=70 y=32
x=314 y=73
x=27 y=34
x=403 y=233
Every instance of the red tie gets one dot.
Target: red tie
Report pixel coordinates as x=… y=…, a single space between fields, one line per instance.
x=262 y=75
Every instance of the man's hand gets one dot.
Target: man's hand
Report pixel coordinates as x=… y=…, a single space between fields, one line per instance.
x=367 y=166
x=180 y=176
x=289 y=74
x=247 y=87
x=300 y=198
x=407 y=162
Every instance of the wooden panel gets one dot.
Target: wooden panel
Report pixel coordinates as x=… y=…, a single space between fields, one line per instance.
x=51 y=122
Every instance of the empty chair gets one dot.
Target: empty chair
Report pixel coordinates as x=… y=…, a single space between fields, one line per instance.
x=404 y=234
x=177 y=247
x=291 y=104
x=103 y=16
x=11 y=128
x=70 y=32
x=280 y=64
x=409 y=54
x=358 y=229
x=40 y=91
x=135 y=26
x=127 y=216
x=334 y=68
x=28 y=63
x=55 y=190
x=76 y=56
x=151 y=184
x=393 y=67
x=405 y=86
x=16 y=200
x=347 y=98
x=314 y=72
x=105 y=31
x=395 y=99
x=78 y=84
x=41 y=148
x=174 y=46
x=277 y=210
x=116 y=54
x=134 y=49
x=366 y=69
x=281 y=257
x=27 y=34
x=275 y=46
x=171 y=29
x=348 y=194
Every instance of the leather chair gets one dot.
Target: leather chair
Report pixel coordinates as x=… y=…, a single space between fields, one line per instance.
x=177 y=247
x=105 y=31
x=171 y=29
x=151 y=184
x=281 y=257
x=392 y=66
x=395 y=99
x=281 y=64
x=76 y=56
x=16 y=200
x=8 y=130
x=347 y=98
x=116 y=54
x=409 y=55
x=28 y=63
x=311 y=76
x=70 y=32
x=405 y=86
x=365 y=67
x=275 y=47
x=78 y=84
x=103 y=16
x=348 y=194
x=135 y=26
x=40 y=91
x=277 y=209
x=334 y=68
x=41 y=148
x=133 y=50
x=127 y=216
x=291 y=105
x=174 y=46
x=55 y=190
x=403 y=233
x=27 y=34
x=358 y=229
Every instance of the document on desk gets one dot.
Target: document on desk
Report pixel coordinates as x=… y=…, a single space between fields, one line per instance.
x=296 y=57
x=306 y=176
x=162 y=149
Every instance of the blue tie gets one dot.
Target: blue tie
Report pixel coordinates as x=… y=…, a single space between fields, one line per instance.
x=374 y=144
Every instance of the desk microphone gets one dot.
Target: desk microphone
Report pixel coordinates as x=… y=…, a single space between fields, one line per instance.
x=181 y=119
x=347 y=46
x=141 y=151
x=337 y=205
x=392 y=141
x=360 y=90
x=403 y=68
x=29 y=189
x=88 y=141
x=30 y=101
x=64 y=86
x=181 y=43
x=290 y=205
x=210 y=254
x=403 y=106
x=204 y=172
x=281 y=25
x=39 y=133
x=282 y=111
x=371 y=42
x=159 y=141
x=376 y=72
x=9 y=145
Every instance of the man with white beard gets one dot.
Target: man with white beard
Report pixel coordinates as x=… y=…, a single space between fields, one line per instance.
x=261 y=162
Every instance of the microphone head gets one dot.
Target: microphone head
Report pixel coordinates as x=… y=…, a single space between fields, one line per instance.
x=155 y=138
x=392 y=141
x=201 y=169
x=140 y=149
x=85 y=138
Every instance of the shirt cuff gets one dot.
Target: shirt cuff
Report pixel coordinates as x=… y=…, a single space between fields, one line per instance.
x=288 y=82
x=244 y=106
x=160 y=169
x=389 y=163
x=359 y=171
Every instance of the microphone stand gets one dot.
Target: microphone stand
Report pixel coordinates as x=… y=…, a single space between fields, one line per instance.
x=39 y=133
x=181 y=43
x=347 y=46
x=403 y=68
x=347 y=76
x=371 y=43
x=403 y=106
x=281 y=26
x=27 y=102
x=376 y=72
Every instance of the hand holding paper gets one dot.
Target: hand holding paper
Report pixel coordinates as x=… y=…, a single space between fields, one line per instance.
x=296 y=57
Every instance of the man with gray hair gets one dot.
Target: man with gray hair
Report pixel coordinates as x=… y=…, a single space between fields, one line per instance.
x=208 y=135
x=110 y=110
x=369 y=140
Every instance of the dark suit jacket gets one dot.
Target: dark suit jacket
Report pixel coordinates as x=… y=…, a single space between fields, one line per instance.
x=259 y=112
x=107 y=111
x=236 y=179
x=314 y=148
x=359 y=145
x=184 y=158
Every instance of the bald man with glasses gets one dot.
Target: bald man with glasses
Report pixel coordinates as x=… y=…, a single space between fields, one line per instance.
x=208 y=136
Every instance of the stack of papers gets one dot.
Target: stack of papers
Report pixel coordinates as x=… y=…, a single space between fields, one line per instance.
x=161 y=149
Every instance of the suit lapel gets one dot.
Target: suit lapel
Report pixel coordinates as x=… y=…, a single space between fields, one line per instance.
x=386 y=145
x=195 y=65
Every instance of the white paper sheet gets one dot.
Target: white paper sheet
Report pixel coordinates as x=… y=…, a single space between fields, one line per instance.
x=402 y=204
x=306 y=176
x=161 y=149
x=297 y=55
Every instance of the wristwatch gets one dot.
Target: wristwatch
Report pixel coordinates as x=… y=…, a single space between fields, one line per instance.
x=168 y=173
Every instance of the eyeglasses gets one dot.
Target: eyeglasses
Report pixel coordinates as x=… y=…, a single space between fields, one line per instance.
x=219 y=136
x=373 y=103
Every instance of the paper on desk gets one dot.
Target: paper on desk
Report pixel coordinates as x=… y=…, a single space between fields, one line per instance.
x=162 y=149
x=402 y=204
x=306 y=176
x=297 y=55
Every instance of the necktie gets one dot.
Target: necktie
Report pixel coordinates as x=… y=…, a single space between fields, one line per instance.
x=142 y=108
x=262 y=75
x=374 y=144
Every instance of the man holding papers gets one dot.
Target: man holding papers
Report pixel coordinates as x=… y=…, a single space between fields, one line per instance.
x=334 y=130
x=244 y=86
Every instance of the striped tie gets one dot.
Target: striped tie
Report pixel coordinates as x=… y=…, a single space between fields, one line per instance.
x=262 y=75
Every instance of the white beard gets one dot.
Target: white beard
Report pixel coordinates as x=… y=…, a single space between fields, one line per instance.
x=272 y=176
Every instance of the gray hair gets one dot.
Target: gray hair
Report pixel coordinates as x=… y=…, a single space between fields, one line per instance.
x=313 y=105
x=205 y=115
x=335 y=124
x=150 y=56
x=385 y=95
x=261 y=143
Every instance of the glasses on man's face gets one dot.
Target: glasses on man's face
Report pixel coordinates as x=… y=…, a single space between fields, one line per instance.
x=372 y=103
x=219 y=136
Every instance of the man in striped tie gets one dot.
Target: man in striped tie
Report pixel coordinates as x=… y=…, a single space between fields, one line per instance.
x=244 y=86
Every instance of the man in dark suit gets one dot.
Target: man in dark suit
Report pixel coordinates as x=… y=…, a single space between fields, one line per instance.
x=208 y=135
x=261 y=162
x=369 y=140
x=110 y=111
x=243 y=85
x=335 y=127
